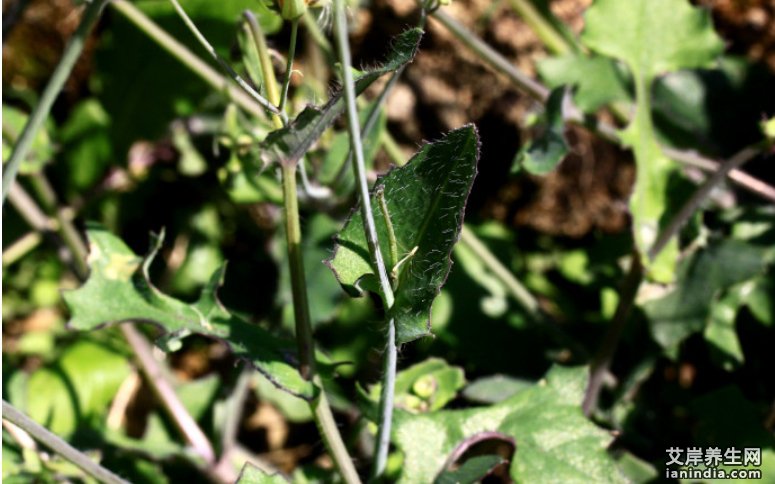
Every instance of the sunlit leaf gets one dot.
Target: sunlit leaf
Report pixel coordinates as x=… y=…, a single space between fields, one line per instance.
x=118 y=289
x=542 y=155
x=554 y=441
x=425 y=201
x=651 y=37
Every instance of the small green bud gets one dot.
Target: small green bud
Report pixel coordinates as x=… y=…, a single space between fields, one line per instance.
x=425 y=386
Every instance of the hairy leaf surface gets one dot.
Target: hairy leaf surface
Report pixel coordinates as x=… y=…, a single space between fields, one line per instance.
x=425 y=201
x=289 y=144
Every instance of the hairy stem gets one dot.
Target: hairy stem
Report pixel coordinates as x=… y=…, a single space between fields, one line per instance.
x=321 y=410
x=359 y=167
x=39 y=114
x=58 y=445
x=224 y=65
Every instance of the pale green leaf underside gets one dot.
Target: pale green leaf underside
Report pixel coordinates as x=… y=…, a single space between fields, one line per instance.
x=253 y=475
x=425 y=200
x=651 y=37
x=118 y=289
x=289 y=144
x=554 y=441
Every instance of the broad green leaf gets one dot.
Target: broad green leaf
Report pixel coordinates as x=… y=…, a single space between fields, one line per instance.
x=118 y=289
x=555 y=442
x=253 y=475
x=651 y=37
x=425 y=387
x=494 y=389
x=293 y=409
x=289 y=144
x=598 y=80
x=701 y=278
x=87 y=150
x=473 y=470
x=542 y=155
x=760 y=300
x=42 y=149
x=721 y=332
x=77 y=388
x=425 y=201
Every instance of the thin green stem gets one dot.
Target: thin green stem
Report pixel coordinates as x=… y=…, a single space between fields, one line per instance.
x=389 y=224
x=23 y=246
x=298 y=279
x=545 y=31
x=58 y=445
x=39 y=114
x=224 y=65
x=270 y=81
x=306 y=347
x=289 y=64
x=186 y=57
x=540 y=93
x=320 y=407
x=359 y=167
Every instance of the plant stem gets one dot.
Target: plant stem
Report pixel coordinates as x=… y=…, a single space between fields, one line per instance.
x=289 y=65
x=320 y=407
x=225 y=65
x=186 y=57
x=515 y=288
x=602 y=359
x=153 y=372
x=540 y=93
x=62 y=72
x=545 y=31
x=21 y=247
x=679 y=219
x=359 y=167
x=270 y=81
x=58 y=445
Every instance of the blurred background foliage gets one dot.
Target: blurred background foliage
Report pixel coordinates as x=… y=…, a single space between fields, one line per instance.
x=139 y=143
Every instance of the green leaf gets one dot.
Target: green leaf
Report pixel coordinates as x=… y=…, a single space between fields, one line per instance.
x=555 y=442
x=425 y=201
x=494 y=389
x=119 y=289
x=42 y=149
x=79 y=387
x=425 y=387
x=599 y=80
x=472 y=470
x=651 y=37
x=251 y=474
x=86 y=136
x=289 y=144
x=701 y=278
x=543 y=154
x=721 y=333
